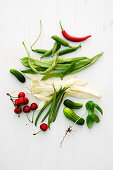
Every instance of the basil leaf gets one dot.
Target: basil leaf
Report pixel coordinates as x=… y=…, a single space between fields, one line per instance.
x=95 y=118
x=98 y=108
x=89 y=122
x=90 y=106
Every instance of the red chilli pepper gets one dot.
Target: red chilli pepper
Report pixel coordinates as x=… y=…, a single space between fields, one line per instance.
x=74 y=39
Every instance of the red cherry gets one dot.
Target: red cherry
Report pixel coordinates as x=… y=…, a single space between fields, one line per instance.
x=43 y=126
x=16 y=102
x=33 y=106
x=21 y=94
x=17 y=110
x=26 y=100
x=26 y=109
x=21 y=100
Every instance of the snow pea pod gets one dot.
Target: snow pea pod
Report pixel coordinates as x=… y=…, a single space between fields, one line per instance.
x=60 y=41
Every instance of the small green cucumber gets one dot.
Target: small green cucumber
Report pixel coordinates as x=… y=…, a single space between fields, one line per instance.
x=72 y=105
x=69 y=114
x=18 y=75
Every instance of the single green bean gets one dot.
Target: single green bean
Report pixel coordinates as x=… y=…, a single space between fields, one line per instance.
x=38 y=35
x=69 y=68
x=58 y=107
x=69 y=50
x=60 y=41
x=54 y=49
x=47 y=54
x=46 y=115
x=41 y=51
x=30 y=71
x=52 y=107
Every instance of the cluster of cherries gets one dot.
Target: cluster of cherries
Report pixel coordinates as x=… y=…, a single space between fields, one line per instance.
x=22 y=100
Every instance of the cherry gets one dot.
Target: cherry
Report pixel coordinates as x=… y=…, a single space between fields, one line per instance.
x=21 y=100
x=33 y=106
x=17 y=110
x=21 y=94
x=16 y=102
x=26 y=100
x=26 y=109
x=43 y=126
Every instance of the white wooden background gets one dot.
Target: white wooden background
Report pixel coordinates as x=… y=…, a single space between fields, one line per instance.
x=83 y=149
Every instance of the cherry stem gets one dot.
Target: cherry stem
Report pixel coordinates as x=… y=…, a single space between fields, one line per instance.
x=37 y=132
x=32 y=117
x=28 y=118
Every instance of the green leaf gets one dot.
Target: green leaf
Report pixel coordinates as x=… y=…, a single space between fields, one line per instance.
x=98 y=108
x=89 y=122
x=95 y=118
x=90 y=106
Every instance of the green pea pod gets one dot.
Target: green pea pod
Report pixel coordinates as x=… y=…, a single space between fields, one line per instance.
x=98 y=108
x=41 y=51
x=69 y=50
x=89 y=121
x=60 y=41
x=95 y=118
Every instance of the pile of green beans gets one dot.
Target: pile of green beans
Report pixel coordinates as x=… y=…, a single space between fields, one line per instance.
x=64 y=66
x=55 y=102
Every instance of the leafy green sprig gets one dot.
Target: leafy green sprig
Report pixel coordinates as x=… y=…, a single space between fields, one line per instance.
x=92 y=116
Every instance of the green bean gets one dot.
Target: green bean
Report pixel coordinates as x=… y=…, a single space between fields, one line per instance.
x=41 y=51
x=69 y=68
x=30 y=71
x=39 y=114
x=56 y=103
x=46 y=115
x=69 y=50
x=52 y=107
x=58 y=107
x=47 y=54
x=54 y=49
x=93 y=60
x=60 y=41
x=38 y=35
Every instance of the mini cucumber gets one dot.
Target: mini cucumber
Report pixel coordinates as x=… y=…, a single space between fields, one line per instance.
x=69 y=114
x=72 y=105
x=18 y=75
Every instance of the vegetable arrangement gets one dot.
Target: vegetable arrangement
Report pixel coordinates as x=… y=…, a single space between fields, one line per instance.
x=52 y=92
